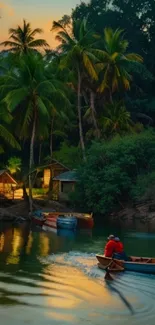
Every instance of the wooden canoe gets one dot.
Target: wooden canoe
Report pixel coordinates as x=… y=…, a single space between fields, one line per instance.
x=137 y=264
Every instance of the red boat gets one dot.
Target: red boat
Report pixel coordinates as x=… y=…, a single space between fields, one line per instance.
x=50 y=222
x=85 y=223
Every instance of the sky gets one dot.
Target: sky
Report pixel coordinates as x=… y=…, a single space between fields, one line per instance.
x=40 y=13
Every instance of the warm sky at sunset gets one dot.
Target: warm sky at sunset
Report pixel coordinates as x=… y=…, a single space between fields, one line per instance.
x=40 y=13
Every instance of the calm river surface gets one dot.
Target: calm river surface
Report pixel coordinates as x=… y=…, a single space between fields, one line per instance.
x=53 y=279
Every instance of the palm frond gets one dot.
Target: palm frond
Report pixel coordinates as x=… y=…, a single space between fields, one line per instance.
x=134 y=57
x=36 y=31
x=89 y=66
x=28 y=117
x=38 y=43
x=41 y=107
x=8 y=137
x=15 y=97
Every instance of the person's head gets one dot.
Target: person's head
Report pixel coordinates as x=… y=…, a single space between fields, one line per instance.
x=111 y=237
x=117 y=239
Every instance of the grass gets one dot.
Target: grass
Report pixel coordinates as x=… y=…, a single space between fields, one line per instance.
x=39 y=191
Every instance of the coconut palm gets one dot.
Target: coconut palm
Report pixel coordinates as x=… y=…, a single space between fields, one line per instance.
x=115 y=119
x=116 y=64
x=76 y=47
x=22 y=39
x=29 y=96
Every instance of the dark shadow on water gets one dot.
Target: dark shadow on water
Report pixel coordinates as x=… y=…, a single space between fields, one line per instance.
x=124 y=300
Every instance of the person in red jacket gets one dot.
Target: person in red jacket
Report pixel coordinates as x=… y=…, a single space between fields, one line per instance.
x=119 y=246
x=110 y=247
x=119 y=251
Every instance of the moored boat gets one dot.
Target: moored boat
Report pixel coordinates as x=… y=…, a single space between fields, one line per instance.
x=66 y=222
x=72 y=220
x=137 y=264
x=50 y=223
x=84 y=220
x=38 y=218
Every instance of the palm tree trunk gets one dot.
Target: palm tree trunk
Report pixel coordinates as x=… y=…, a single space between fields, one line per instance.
x=51 y=156
x=25 y=196
x=31 y=163
x=92 y=105
x=80 y=117
x=40 y=151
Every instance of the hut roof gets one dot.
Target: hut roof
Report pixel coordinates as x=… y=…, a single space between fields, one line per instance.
x=53 y=162
x=3 y=171
x=70 y=176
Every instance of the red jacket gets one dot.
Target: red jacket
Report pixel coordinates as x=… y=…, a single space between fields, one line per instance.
x=119 y=248
x=110 y=248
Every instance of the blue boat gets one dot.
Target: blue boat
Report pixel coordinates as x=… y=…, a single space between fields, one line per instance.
x=137 y=264
x=66 y=222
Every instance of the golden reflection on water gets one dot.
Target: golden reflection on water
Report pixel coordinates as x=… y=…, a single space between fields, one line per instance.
x=29 y=244
x=17 y=242
x=44 y=244
x=69 y=289
x=1 y=242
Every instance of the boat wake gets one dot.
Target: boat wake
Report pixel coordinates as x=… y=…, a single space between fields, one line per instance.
x=86 y=262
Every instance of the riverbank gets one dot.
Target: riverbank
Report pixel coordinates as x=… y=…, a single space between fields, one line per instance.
x=13 y=209
x=140 y=216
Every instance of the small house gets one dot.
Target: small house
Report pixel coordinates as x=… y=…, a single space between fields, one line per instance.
x=57 y=169
x=7 y=183
x=43 y=177
x=64 y=184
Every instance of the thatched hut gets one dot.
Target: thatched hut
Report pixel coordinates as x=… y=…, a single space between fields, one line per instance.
x=7 y=184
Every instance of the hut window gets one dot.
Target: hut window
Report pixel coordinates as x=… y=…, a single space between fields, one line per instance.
x=66 y=187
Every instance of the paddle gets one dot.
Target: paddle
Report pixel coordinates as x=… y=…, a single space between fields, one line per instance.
x=107 y=274
x=118 y=268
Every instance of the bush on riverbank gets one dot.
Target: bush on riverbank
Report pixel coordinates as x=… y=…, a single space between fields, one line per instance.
x=114 y=172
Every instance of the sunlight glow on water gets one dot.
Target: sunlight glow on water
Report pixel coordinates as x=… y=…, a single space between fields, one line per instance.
x=50 y=279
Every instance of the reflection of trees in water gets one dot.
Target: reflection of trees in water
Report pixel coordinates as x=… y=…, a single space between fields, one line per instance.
x=1 y=242
x=16 y=248
x=20 y=248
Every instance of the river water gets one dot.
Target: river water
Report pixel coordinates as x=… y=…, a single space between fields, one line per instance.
x=53 y=279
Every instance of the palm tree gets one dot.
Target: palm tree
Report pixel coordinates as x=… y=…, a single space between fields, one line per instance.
x=76 y=47
x=116 y=64
x=115 y=119
x=29 y=96
x=32 y=95
x=22 y=39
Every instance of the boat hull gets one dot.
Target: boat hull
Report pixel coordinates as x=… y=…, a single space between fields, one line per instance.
x=38 y=222
x=138 y=264
x=38 y=218
x=85 y=223
x=50 y=223
x=64 y=222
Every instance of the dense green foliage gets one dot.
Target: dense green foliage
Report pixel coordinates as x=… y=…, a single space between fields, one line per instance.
x=87 y=103
x=116 y=172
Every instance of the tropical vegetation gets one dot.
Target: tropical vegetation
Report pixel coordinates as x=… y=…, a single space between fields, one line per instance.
x=88 y=103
